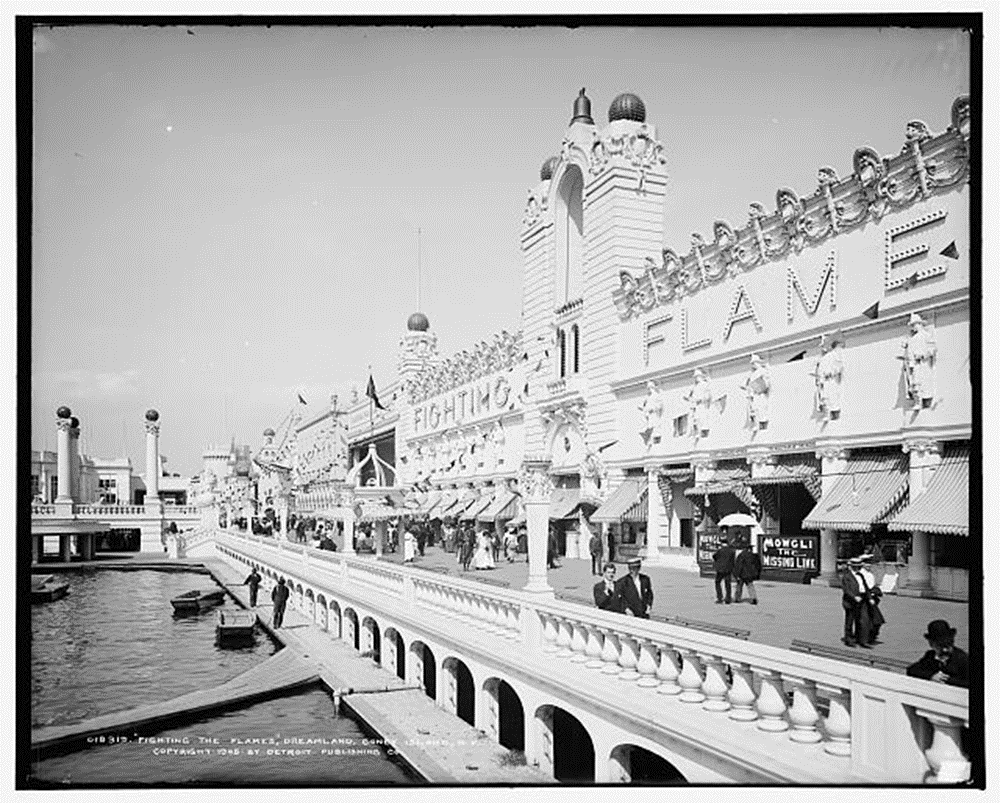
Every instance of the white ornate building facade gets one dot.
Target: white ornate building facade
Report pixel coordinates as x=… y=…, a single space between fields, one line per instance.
x=810 y=367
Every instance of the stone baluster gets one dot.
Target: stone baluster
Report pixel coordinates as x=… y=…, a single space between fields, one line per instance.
x=714 y=686
x=494 y=616
x=513 y=621
x=579 y=643
x=668 y=671
x=610 y=653
x=595 y=646
x=690 y=679
x=646 y=666
x=551 y=634
x=945 y=757
x=741 y=694
x=628 y=657
x=565 y=639
x=837 y=725
x=803 y=714
x=771 y=703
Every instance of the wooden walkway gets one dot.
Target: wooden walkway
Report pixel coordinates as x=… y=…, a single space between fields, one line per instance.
x=285 y=670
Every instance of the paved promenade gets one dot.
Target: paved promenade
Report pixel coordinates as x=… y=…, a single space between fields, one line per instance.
x=786 y=611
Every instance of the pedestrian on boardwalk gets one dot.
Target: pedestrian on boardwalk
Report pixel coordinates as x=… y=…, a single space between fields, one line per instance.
x=876 y=619
x=409 y=540
x=596 y=553
x=607 y=596
x=723 y=560
x=636 y=591
x=279 y=596
x=553 y=550
x=943 y=662
x=854 y=588
x=747 y=569
x=510 y=544
x=468 y=547
x=421 y=537
x=483 y=558
x=253 y=580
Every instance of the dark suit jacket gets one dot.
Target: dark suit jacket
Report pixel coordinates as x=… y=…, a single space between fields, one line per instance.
x=723 y=559
x=630 y=596
x=851 y=587
x=280 y=595
x=956 y=668
x=748 y=566
x=608 y=602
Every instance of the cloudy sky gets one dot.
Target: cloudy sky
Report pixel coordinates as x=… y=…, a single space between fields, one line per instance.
x=226 y=217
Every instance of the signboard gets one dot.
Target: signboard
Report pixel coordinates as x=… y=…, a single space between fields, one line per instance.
x=789 y=553
x=708 y=542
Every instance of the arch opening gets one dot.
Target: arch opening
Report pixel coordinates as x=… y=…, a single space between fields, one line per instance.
x=637 y=765
x=510 y=716
x=567 y=751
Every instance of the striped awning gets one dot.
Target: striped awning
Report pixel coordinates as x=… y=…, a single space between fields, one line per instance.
x=430 y=500
x=447 y=499
x=619 y=502
x=564 y=503
x=471 y=513
x=870 y=491
x=503 y=505
x=943 y=507
x=791 y=469
x=725 y=479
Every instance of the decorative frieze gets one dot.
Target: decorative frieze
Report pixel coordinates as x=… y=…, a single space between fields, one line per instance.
x=635 y=146
x=503 y=353
x=533 y=480
x=877 y=185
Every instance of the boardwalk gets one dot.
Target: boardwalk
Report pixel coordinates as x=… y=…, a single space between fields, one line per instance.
x=279 y=673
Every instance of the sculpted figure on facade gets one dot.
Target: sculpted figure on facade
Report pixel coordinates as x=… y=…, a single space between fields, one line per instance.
x=829 y=377
x=919 y=359
x=699 y=398
x=593 y=475
x=758 y=390
x=652 y=412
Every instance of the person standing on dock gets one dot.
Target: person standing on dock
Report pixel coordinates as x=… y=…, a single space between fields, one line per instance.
x=279 y=596
x=254 y=582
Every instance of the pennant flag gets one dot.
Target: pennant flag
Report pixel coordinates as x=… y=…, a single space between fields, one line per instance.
x=911 y=280
x=371 y=394
x=797 y=357
x=951 y=251
x=301 y=400
x=871 y=312
x=606 y=446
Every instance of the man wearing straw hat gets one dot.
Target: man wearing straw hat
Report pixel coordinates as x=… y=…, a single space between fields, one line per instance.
x=855 y=593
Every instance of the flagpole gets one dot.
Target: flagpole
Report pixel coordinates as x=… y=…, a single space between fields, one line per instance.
x=371 y=405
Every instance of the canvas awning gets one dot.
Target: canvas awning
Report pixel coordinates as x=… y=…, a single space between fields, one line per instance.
x=943 y=507
x=430 y=500
x=869 y=492
x=725 y=479
x=446 y=500
x=464 y=503
x=791 y=469
x=503 y=505
x=471 y=513
x=624 y=497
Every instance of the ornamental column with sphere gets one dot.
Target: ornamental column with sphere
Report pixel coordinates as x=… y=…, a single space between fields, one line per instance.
x=74 y=458
x=152 y=457
x=64 y=482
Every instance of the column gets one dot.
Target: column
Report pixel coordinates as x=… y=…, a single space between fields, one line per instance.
x=380 y=530
x=658 y=520
x=64 y=492
x=925 y=455
x=152 y=458
x=535 y=487
x=283 y=515
x=74 y=459
x=36 y=548
x=834 y=464
x=65 y=543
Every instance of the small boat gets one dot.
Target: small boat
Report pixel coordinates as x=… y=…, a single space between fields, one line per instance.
x=235 y=624
x=197 y=599
x=45 y=588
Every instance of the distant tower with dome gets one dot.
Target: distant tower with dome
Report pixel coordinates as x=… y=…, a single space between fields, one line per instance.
x=418 y=348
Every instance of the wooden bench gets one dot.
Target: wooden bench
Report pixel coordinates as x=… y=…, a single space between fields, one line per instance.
x=853 y=655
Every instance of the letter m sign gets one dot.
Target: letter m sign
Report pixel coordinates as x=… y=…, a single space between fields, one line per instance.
x=810 y=301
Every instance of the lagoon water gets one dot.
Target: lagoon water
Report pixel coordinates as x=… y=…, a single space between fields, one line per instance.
x=114 y=643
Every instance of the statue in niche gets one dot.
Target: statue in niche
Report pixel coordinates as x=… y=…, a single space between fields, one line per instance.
x=829 y=377
x=593 y=475
x=652 y=411
x=699 y=397
x=919 y=359
x=758 y=390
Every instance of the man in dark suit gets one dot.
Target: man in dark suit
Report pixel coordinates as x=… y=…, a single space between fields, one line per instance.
x=636 y=591
x=943 y=662
x=855 y=592
x=724 y=560
x=606 y=594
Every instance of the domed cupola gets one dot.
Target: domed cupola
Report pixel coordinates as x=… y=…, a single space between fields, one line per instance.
x=581 y=109
x=627 y=107
x=418 y=322
x=549 y=168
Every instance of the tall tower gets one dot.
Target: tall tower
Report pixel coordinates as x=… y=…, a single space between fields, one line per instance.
x=418 y=347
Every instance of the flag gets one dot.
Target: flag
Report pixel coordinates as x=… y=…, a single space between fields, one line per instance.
x=301 y=400
x=797 y=357
x=950 y=251
x=371 y=394
x=871 y=312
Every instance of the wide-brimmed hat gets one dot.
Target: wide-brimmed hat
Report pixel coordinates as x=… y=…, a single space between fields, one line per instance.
x=938 y=630
x=634 y=562
x=855 y=561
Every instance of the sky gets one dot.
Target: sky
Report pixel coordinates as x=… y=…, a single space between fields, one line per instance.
x=225 y=218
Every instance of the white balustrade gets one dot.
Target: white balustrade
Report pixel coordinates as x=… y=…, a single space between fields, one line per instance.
x=595 y=646
x=565 y=639
x=741 y=694
x=945 y=756
x=803 y=715
x=610 y=653
x=579 y=643
x=646 y=666
x=714 y=686
x=771 y=703
x=690 y=679
x=628 y=658
x=550 y=632
x=837 y=724
x=668 y=671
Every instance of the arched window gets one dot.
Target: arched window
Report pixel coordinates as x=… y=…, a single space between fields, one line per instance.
x=562 y=353
x=569 y=236
x=576 y=349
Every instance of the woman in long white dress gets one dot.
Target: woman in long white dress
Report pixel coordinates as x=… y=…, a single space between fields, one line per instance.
x=483 y=558
x=409 y=545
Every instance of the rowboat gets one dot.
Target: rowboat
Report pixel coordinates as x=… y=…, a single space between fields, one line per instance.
x=45 y=588
x=235 y=624
x=197 y=599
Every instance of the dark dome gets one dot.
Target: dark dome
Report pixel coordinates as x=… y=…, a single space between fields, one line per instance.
x=549 y=167
x=627 y=107
x=74 y=422
x=64 y=412
x=581 y=109
x=268 y=433
x=152 y=415
x=418 y=322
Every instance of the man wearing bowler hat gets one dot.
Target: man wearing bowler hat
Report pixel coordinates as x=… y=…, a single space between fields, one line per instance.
x=636 y=591
x=943 y=662
x=855 y=591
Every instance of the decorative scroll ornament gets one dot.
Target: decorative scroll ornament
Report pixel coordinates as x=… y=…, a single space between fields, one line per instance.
x=64 y=424
x=919 y=362
x=636 y=147
x=503 y=353
x=534 y=482
x=832 y=453
x=537 y=205
x=922 y=446
x=927 y=164
x=152 y=427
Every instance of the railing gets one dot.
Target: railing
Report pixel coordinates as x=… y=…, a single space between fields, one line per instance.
x=109 y=511
x=787 y=716
x=43 y=510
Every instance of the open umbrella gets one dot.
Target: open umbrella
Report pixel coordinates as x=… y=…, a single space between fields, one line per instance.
x=738 y=520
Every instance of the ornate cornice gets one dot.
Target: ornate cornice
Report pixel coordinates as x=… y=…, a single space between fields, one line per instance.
x=503 y=353
x=832 y=453
x=633 y=146
x=926 y=164
x=922 y=446
x=152 y=427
